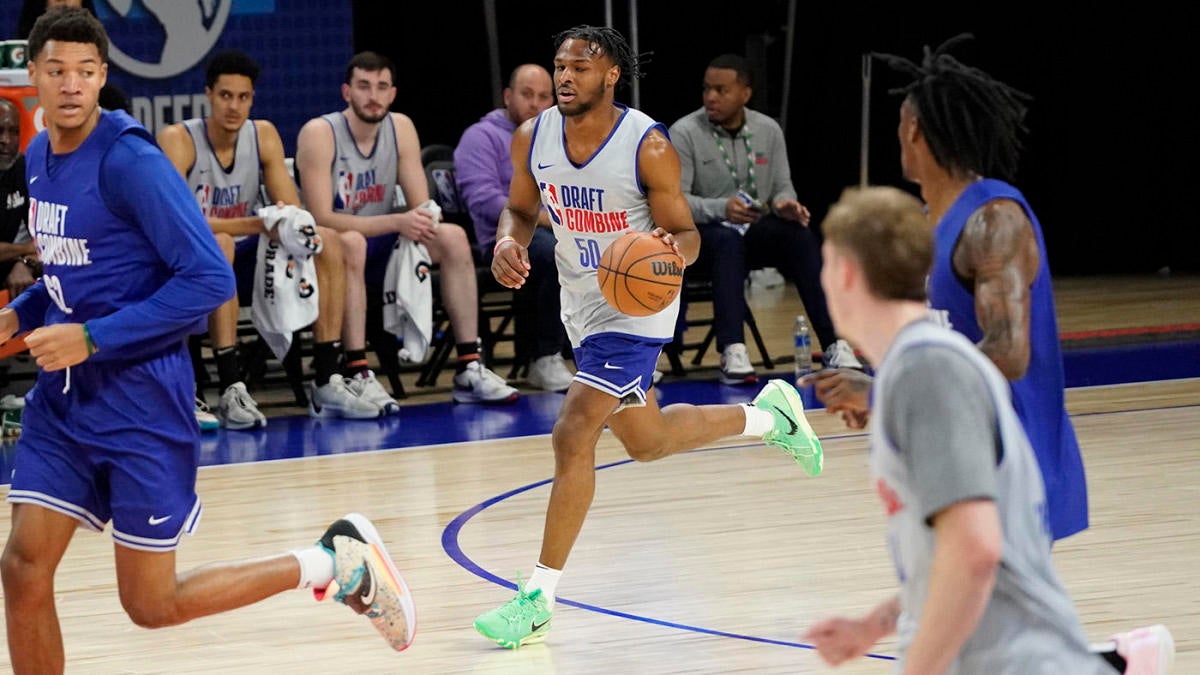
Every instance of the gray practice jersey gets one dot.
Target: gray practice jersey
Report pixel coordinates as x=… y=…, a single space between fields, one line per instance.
x=946 y=432
x=363 y=185
x=225 y=192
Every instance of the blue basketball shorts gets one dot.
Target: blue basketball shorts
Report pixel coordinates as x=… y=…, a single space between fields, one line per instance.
x=121 y=445
x=618 y=364
x=245 y=263
x=379 y=252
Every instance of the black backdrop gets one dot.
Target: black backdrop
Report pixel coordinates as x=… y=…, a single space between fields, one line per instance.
x=1107 y=164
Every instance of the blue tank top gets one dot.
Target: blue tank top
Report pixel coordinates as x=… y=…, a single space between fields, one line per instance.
x=1038 y=397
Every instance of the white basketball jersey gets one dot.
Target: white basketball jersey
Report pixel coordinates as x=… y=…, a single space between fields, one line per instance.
x=225 y=192
x=591 y=205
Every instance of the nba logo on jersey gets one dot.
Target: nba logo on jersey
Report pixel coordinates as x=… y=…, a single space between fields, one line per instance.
x=345 y=189
x=355 y=191
x=553 y=205
x=204 y=197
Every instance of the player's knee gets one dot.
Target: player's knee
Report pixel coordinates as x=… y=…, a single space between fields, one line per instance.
x=645 y=448
x=24 y=576
x=354 y=250
x=454 y=243
x=332 y=242
x=566 y=440
x=148 y=613
x=225 y=242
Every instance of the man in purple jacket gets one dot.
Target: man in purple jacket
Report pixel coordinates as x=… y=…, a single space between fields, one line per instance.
x=483 y=171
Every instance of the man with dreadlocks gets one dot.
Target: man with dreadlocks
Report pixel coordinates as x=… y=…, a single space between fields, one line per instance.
x=593 y=162
x=959 y=141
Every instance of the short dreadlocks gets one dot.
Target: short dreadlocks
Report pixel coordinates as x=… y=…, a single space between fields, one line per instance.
x=972 y=121
x=609 y=42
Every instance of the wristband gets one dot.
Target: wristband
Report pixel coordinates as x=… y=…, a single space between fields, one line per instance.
x=91 y=345
x=500 y=242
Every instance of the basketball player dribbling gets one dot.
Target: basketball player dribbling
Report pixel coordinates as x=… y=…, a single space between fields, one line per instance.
x=589 y=154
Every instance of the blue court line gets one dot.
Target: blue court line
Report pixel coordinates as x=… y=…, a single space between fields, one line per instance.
x=455 y=552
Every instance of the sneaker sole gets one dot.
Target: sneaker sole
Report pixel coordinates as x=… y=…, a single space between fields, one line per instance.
x=469 y=398
x=547 y=386
x=531 y=639
x=368 y=531
x=326 y=412
x=244 y=426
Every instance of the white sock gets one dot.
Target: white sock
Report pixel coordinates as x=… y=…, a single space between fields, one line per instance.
x=316 y=566
x=758 y=421
x=545 y=578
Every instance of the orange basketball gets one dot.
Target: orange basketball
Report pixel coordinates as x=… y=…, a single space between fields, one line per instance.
x=640 y=274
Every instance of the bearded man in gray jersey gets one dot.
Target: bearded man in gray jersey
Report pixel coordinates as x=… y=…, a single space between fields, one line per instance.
x=950 y=461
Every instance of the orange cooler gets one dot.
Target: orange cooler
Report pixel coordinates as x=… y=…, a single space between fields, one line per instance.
x=14 y=86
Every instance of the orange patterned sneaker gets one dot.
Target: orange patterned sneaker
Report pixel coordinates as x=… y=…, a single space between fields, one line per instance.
x=366 y=580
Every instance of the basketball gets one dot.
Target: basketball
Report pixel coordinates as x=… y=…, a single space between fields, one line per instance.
x=640 y=274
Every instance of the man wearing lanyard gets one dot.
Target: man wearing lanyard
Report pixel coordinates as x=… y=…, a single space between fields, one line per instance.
x=738 y=184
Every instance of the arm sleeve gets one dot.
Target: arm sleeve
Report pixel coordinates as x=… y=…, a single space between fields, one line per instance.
x=31 y=306
x=781 y=169
x=477 y=169
x=140 y=185
x=953 y=459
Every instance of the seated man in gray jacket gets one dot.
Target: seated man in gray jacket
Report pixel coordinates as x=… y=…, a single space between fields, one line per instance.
x=738 y=184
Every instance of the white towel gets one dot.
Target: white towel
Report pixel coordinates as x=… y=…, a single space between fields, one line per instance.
x=285 y=295
x=297 y=229
x=408 y=298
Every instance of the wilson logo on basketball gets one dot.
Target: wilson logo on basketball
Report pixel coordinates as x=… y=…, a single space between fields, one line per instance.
x=665 y=269
x=639 y=274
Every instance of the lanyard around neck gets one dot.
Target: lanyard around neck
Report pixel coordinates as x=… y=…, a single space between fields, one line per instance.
x=751 y=185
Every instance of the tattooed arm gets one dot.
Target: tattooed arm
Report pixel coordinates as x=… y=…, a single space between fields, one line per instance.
x=999 y=254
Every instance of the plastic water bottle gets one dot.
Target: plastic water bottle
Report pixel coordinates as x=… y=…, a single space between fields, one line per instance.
x=803 y=349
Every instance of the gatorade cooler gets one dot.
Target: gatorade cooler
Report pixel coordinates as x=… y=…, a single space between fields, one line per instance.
x=14 y=86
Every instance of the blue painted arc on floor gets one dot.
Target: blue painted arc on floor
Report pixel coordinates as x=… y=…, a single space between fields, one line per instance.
x=451 y=547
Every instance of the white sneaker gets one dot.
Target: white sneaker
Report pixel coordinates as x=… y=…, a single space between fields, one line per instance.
x=767 y=277
x=735 y=365
x=238 y=410
x=1147 y=651
x=204 y=416
x=366 y=387
x=550 y=372
x=335 y=398
x=841 y=355
x=477 y=384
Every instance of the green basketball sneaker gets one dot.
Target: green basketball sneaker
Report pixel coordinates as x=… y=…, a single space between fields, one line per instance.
x=521 y=621
x=792 y=432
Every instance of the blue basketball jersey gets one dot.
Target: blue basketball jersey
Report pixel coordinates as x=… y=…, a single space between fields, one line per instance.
x=128 y=254
x=1038 y=397
x=123 y=244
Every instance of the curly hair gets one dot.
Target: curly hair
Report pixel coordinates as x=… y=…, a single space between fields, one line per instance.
x=608 y=42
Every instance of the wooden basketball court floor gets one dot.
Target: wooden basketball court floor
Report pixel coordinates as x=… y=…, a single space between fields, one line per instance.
x=711 y=561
